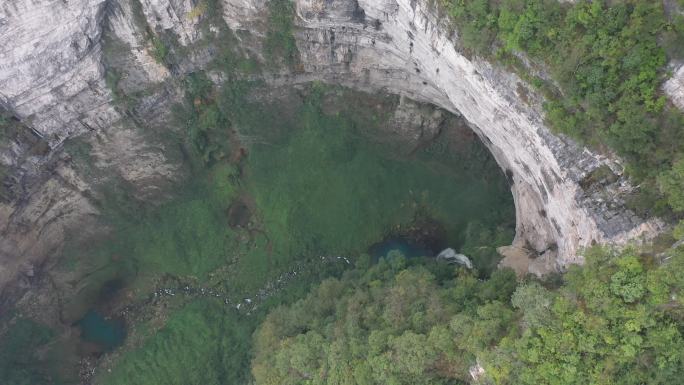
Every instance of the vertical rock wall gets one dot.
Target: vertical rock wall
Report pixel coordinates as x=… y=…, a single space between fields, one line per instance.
x=53 y=78
x=50 y=71
x=403 y=46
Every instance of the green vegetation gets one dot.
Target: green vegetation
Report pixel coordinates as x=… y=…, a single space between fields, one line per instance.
x=229 y=57
x=672 y=183
x=277 y=182
x=159 y=41
x=618 y=320
x=112 y=79
x=202 y=117
x=187 y=236
x=4 y=128
x=206 y=342
x=200 y=9
x=4 y=137
x=159 y=51
x=20 y=362
x=203 y=343
x=607 y=57
x=311 y=184
x=280 y=46
x=397 y=322
x=315 y=191
x=274 y=186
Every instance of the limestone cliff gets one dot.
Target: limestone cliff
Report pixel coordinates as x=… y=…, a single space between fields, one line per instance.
x=54 y=79
x=674 y=87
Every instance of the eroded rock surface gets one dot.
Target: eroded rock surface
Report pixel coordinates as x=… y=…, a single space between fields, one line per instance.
x=53 y=77
x=674 y=87
x=405 y=47
x=50 y=72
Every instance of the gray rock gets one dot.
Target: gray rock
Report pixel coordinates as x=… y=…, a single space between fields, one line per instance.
x=452 y=256
x=52 y=77
x=674 y=87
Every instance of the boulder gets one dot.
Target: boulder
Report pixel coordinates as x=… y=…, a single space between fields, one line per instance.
x=451 y=256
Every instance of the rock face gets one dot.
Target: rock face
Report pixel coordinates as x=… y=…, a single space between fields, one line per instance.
x=50 y=70
x=405 y=47
x=451 y=256
x=674 y=87
x=53 y=78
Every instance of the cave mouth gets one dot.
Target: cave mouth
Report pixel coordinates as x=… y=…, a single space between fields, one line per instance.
x=284 y=188
x=424 y=237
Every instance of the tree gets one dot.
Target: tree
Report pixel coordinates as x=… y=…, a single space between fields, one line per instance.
x=672 y=185
x=535 y=303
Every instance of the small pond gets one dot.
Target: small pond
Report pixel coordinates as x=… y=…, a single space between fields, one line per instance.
x=106 y=333
x=409 y=248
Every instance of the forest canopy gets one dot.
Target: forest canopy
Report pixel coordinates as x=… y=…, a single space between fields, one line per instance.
x=617 y=320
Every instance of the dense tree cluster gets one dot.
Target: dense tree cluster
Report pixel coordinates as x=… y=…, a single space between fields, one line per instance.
x=618 y=320
x=606 y=60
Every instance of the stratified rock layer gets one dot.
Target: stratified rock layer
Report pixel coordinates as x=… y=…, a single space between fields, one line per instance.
x=50 y=71
x=404 y=47
x=52 y=77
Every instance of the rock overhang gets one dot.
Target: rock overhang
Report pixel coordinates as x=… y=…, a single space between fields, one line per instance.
x=399 y=46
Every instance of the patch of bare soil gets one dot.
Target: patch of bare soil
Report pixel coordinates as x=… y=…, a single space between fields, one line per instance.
x=517 y=258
